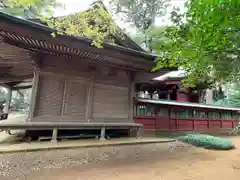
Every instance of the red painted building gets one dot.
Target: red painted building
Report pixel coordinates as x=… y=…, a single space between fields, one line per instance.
x=169 y=107
x=165 y=115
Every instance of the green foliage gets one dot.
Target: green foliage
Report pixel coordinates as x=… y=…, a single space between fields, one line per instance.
x=207 y=141
x=96 y=24
x=141 y=14
x=233 y=98
x=205 y=41
x=28 y=8
x=154 y=35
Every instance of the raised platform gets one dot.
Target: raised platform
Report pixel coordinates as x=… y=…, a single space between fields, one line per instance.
x=41 y=146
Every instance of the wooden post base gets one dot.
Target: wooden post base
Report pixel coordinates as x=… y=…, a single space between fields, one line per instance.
x=54 y=135
x=103 y=133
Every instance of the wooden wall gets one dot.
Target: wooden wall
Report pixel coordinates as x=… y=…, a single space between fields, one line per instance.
x=71 y=90
x=161 y=117
x=164 y=123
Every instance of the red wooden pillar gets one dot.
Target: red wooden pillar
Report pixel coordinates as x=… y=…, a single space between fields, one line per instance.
x=176 y=124
x=169 y=117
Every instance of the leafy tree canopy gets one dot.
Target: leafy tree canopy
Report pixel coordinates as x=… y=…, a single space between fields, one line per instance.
x=28 y=8
x=141 y=14
x=154 y=35
x=204 y=41
x=95 y=24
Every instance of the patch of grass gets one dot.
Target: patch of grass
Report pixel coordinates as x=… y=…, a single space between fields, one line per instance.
x=207 y=141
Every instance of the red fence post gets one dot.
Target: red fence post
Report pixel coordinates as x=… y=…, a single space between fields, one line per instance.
x=176 y=124
x=169 y=117
x=156 y=118
x=194 y=124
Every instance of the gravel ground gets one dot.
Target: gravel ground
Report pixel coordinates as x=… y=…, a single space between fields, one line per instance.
x=21 y=165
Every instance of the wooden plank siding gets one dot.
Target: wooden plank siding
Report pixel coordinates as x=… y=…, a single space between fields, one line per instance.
x=75 y=102
x=110 y=103
x=49 y=98
x=81 y=95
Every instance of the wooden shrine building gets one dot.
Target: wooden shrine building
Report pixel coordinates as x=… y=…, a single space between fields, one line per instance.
x=72 y=81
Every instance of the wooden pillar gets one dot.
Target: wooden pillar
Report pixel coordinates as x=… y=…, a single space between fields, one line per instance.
x=139 y=132
x=64 y=97
x=8 y=99
x=54 y=135
x=170 y=116
x=90 y=91
x=168 y=96
x=33 y=95
x=131 y=96
x=131 y=101
x=103 y=133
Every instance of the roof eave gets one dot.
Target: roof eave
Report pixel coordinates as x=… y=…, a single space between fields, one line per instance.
x=48 y=30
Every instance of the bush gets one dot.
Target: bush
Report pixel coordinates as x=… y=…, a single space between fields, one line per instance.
x=207 y=141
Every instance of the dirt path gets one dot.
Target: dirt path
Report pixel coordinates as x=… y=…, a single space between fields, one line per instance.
x=195 y=163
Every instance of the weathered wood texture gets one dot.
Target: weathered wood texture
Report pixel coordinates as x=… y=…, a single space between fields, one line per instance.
x=14 y=62
x=109 y=102
x=50 y=94
x=75 y=100
x=33 y=95
x=80 y=95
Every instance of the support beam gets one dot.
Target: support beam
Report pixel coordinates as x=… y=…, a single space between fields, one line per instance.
x=138 y=132
x=33 y=95
x=131 y=96
x=8 y=99
x=103 y=133
x=22 y=87
x=64 y=97
x=168 y=96
x=54 y=135
x=131 y=101
x=89 y=101
x=8 y=79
